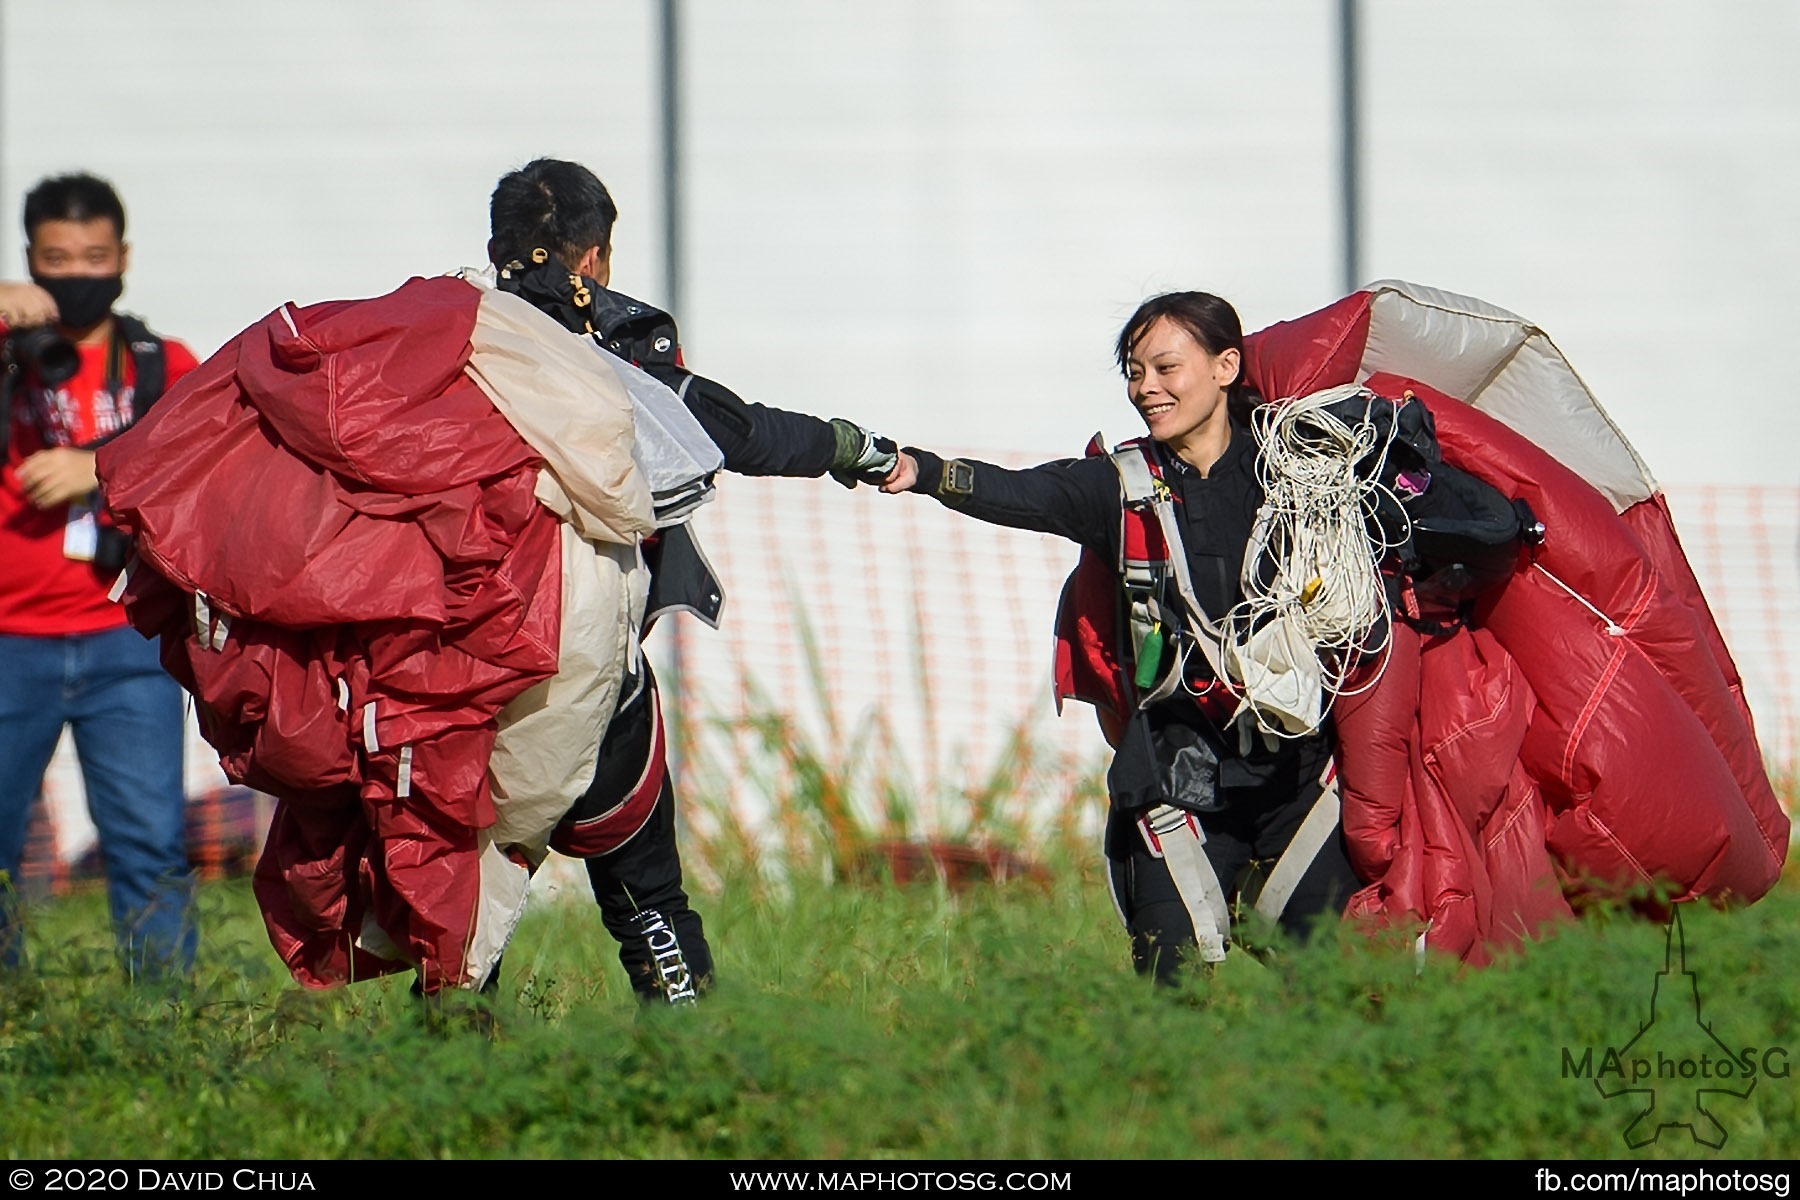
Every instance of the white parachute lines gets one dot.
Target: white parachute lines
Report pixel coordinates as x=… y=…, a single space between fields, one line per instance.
x=1315 y=606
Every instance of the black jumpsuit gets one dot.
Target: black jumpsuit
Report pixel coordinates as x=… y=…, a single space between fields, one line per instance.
x=1262 y=795
x=639 y=886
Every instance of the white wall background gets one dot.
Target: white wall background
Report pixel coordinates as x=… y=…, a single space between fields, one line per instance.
x=932 y=216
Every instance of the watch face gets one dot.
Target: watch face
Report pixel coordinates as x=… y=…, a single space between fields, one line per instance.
x=959 y=478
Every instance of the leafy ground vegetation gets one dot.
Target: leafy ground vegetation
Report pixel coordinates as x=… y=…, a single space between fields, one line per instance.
x=864 y=1018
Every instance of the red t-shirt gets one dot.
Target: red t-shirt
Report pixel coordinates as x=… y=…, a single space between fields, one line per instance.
x=43 y=592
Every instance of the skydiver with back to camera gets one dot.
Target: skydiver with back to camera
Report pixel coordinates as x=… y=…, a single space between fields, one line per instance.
x=551 y=243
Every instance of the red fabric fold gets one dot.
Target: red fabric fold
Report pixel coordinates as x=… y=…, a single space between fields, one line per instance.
x=1498 y=776
x=333 y=486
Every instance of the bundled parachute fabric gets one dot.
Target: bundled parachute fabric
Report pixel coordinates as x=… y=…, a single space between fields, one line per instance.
x=671 y=449
x=1586 y=730
x=374 y=582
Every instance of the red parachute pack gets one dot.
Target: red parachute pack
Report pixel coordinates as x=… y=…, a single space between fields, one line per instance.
x=342 y=554
x=1587 y=731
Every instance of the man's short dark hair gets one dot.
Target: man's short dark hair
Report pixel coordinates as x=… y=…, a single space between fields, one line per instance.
x=76 y=197
x=561 y=206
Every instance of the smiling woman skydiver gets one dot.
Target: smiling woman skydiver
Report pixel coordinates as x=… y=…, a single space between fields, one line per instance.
x=1207 y=816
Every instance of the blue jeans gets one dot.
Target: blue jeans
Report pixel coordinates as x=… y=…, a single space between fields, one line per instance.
x=125 y=713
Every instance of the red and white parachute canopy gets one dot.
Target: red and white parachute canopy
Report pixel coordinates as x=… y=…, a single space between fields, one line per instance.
x=1588 y=730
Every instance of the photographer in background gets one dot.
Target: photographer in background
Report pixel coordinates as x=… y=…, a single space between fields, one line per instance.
x=73 y=374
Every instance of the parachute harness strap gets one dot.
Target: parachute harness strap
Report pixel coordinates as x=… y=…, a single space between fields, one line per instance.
x=1175 y=836
x=1320 y=824
x=1141 y=568
x=1315 y=605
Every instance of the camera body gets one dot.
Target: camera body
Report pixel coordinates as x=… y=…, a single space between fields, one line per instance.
x=54 y=360
x=39 y=346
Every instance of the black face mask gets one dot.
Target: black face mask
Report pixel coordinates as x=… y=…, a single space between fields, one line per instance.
x=82 y=300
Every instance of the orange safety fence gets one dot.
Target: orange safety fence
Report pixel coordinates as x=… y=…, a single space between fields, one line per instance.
x=905 y=650
x=1744 y=544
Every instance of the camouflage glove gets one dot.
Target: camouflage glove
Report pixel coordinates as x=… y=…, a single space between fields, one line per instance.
x=861 y=457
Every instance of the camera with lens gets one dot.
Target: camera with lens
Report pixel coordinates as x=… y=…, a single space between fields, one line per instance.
x=53 y=356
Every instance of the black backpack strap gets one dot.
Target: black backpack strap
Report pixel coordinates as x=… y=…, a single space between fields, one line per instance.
x=149 y=369
x=149 y=362
x=11 y=379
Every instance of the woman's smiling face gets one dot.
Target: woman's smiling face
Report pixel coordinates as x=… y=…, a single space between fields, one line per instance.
x=1177 y=387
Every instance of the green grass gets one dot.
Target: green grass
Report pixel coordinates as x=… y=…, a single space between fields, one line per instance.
x=863 y=1021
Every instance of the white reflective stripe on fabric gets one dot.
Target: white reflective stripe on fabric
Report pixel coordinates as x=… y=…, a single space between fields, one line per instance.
x=1176 y=835
x=343 y=694
x=123 y=581
x=371 y=743
x=210 y=628
x=1320 y=824
x=403 y=788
